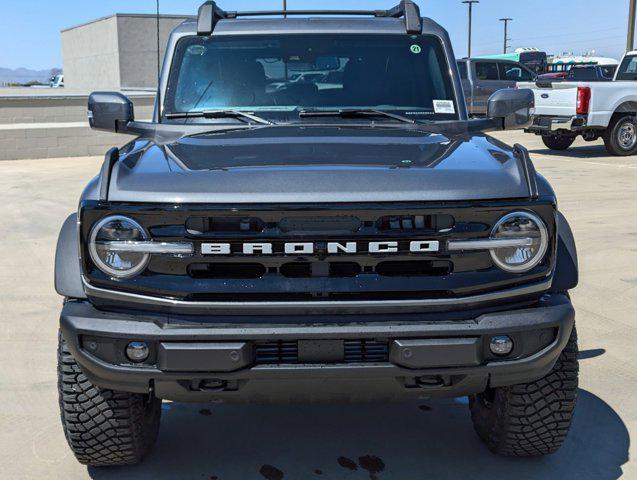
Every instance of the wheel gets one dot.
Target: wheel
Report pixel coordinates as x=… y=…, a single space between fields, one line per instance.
x=104 y=427
x=529 y=419
x=621 y=136
x=558 y=142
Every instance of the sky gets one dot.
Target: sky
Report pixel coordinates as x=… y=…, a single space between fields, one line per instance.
x=30 y=29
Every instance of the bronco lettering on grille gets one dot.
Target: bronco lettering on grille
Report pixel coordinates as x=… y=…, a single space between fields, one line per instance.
x=309 y=248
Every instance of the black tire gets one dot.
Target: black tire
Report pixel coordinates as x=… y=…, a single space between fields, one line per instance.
x=621 y=136
x=104 y=427
x=555 y=142
x=530 y=419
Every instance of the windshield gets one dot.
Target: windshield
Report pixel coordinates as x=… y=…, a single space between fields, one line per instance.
x=278 y=76
x=628 y=69
x=536 y=61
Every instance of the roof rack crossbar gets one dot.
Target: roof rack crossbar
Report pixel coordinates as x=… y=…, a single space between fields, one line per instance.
x=210 y=14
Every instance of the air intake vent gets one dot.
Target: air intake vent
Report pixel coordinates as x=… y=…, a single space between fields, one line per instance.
x=226 y=270
x=356 y=351
x=278 y=352
x=331 y=225
x=212 y=225
x=366 y=351
x=414 y=269
x=409 y=223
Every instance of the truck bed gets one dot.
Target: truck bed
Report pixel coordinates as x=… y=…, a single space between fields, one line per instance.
x=559 y=99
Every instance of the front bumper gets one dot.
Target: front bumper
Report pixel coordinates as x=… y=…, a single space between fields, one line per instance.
x=208 y=361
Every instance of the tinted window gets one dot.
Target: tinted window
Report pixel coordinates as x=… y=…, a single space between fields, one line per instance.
x=462 y=68
x=582 y=73
x=514 y=73
x=275 y=74
x=628 y=69
x=608 y=71
x=487 y=71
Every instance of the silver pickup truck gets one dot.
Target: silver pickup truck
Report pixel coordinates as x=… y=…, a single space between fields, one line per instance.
x=608 y=110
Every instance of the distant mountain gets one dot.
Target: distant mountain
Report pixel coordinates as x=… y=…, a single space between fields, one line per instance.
x=23 y=75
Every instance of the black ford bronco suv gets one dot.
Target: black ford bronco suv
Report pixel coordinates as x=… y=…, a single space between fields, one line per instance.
x=311 y=216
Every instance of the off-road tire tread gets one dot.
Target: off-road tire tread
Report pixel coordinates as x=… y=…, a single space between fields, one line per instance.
x=104 y=427
x=531 y=419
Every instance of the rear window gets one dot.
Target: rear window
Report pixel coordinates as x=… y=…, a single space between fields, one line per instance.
x=628 y=69
x=582 y=73
x=487 y=71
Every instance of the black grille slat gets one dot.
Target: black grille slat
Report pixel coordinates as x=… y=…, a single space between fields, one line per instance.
x=366 y=351
x=277 y=353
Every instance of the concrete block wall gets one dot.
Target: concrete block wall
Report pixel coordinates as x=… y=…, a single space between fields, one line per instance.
x=116 y=52
x=90 y=55
x=51 y=127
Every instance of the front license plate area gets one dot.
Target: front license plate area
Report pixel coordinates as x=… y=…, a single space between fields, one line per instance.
x=321 y=351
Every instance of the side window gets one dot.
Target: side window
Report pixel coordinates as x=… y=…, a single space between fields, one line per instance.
x=608 y=71
x=628 y=69
x=514 y=73
x=462 y=68
x=487 y=71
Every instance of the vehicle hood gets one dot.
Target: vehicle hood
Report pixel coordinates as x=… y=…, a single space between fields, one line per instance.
x=318 y=165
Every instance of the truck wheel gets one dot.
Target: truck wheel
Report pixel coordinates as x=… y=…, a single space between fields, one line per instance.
x=530 y=419
x=104 y=427
x=555 y=142
x=621 y=136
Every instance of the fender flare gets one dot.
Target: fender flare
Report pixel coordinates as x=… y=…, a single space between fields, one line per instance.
x=68 y=275
x=566 y=268
x=627 y=107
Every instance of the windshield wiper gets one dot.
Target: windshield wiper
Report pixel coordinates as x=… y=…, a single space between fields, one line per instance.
x=238 y=114
x=354 y=113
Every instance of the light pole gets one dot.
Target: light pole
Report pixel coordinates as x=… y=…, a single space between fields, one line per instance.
x=285 y=8
x=470 y=3
x=630 y=45
x=506 y=32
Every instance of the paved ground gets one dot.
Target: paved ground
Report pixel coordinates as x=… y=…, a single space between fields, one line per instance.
x=428 y=440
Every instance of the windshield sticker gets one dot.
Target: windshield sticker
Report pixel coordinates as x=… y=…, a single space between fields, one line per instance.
x=444 y=106
x=416 y=49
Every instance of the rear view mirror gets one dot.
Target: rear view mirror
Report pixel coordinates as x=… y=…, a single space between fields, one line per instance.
x=110 y=111
x=512 y=108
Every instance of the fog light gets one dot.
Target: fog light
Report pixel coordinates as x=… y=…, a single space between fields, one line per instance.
x=501 y=345
x=137 y=351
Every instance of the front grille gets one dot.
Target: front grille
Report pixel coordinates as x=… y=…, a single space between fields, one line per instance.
x=324 y=274
x=355 y=351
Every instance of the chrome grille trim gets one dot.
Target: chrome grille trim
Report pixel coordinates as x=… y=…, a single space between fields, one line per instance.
x=318 y=307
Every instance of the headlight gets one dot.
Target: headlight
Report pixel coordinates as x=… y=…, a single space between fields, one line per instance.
x=117 y=262
x=529 y=232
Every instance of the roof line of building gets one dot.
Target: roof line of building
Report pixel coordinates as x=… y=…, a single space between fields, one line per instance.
x=136 y=15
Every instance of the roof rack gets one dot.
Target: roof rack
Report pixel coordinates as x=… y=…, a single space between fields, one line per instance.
x=210 y=14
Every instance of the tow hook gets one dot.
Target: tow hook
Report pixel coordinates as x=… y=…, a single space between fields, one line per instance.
x=435 y=381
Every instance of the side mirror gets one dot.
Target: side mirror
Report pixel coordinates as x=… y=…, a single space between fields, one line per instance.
x=512 y=107
x=110 y=111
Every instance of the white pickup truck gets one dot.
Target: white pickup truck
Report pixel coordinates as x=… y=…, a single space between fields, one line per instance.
x=608 y=110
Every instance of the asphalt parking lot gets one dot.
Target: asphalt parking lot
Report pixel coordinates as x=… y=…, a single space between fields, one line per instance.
x=423 y=440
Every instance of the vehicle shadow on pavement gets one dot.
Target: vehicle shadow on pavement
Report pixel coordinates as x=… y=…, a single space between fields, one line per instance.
x=585 y=151
x=429 y=439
